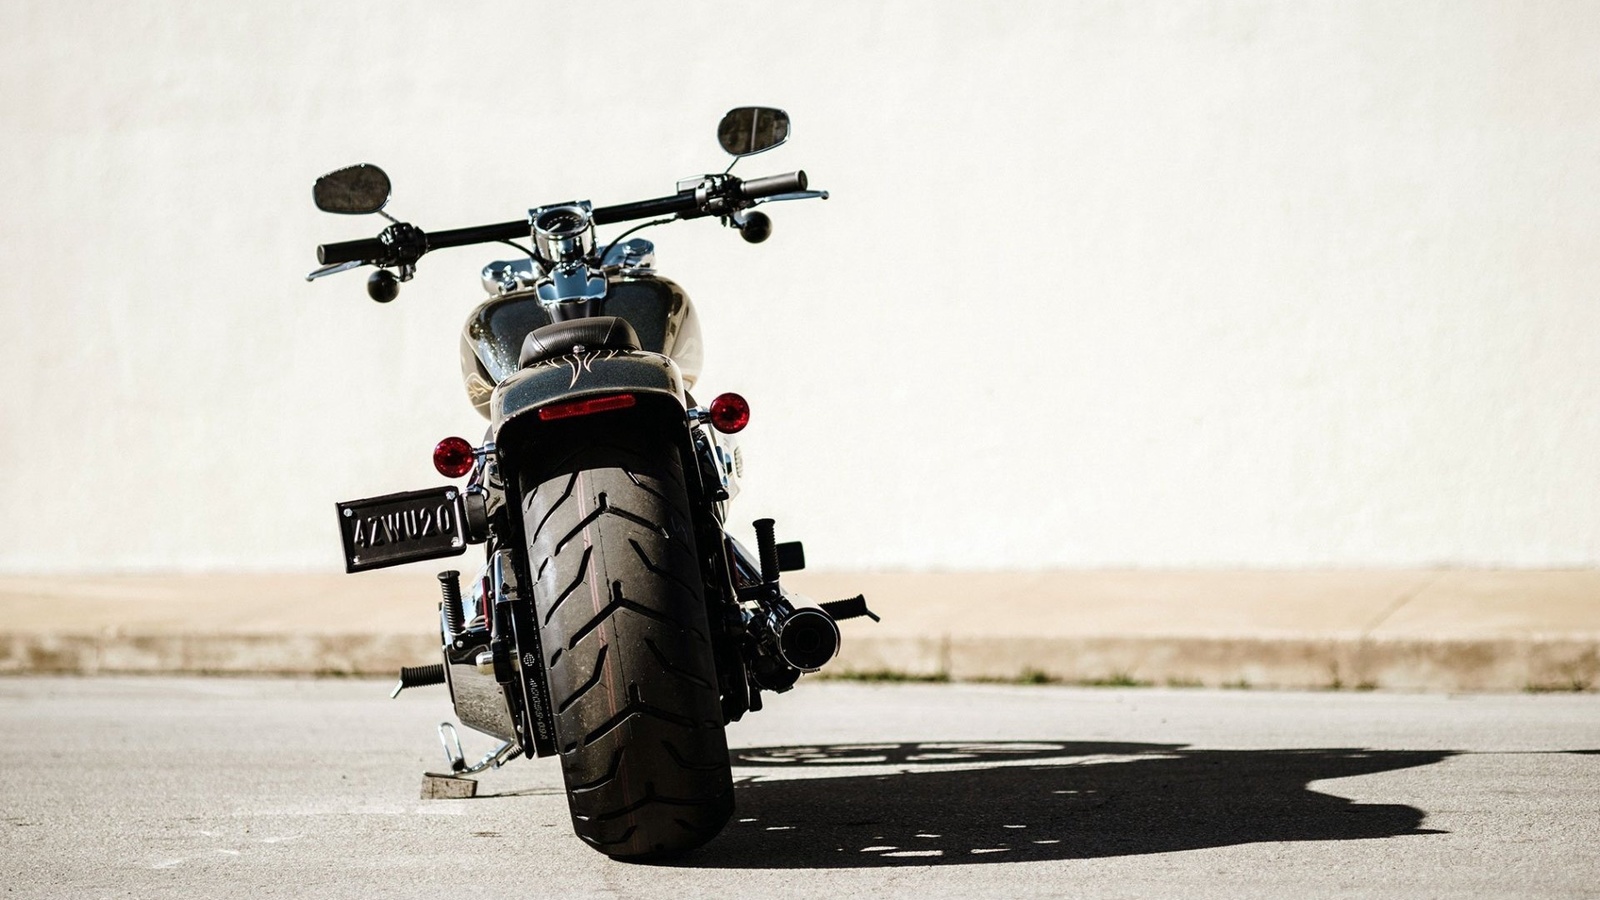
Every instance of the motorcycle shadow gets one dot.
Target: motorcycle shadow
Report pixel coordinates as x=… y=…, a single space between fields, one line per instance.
x=921 y=804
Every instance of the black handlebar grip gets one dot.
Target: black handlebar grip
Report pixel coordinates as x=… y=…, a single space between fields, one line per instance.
x=756 y=188
x=364 y=250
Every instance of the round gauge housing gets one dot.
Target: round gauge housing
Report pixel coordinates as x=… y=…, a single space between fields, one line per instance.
x=562 y=221
x=563 y=233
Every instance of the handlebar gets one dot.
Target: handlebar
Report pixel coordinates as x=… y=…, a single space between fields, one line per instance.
x=367 y=249
x=350 y=251
x=772 y=185
x=679 y=203
x=683 y=203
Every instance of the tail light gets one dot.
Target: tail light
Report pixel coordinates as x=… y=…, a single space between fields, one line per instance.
x=730 y=413
x=453 y=457
x=586 y=407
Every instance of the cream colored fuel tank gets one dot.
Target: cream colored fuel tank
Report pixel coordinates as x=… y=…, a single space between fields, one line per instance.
x=657 y=308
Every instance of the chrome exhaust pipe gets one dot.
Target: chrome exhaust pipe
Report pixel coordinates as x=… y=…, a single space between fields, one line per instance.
x=807 y=638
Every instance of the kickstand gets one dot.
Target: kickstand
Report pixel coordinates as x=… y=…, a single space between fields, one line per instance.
x=456 y=785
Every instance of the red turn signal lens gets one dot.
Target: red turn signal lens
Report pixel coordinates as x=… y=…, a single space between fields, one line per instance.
x=730 y=413
x=453 y=457
x=586 y=407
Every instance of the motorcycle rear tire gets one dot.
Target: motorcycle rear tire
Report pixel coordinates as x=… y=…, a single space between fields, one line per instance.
x=622 y=621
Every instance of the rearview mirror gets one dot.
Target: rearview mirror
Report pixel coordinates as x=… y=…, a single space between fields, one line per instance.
x=352 y=191
x=749 y=130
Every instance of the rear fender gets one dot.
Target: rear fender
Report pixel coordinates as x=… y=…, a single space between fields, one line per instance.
x=652 y=378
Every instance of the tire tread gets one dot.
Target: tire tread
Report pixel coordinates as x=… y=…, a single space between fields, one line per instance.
x=621 y=611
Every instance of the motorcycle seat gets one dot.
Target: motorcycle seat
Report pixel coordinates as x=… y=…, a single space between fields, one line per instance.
x=560 y=339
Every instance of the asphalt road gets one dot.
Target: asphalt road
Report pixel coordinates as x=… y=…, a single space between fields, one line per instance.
x=162 y=787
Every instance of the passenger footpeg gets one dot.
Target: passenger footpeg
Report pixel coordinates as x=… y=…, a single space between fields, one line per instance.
x=418 y=676
x=852 y=608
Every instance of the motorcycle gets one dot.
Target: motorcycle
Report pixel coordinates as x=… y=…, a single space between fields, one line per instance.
x=614 y=623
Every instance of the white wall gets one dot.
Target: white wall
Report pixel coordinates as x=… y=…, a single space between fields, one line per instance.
x=1152 y=284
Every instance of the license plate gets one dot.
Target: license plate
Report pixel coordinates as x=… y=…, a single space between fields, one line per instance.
x=401 y=528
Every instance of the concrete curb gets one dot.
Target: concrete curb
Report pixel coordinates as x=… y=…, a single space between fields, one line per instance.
x=213 y=654
x=1446 y=665
x=1407 y=630
x=1504 y=665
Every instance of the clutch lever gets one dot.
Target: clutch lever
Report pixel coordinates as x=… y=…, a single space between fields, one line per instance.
x=333 y=269
x=795 y=195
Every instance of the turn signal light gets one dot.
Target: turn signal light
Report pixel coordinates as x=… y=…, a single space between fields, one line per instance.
x=730 y=413
x=453 y=457
x=586 y=407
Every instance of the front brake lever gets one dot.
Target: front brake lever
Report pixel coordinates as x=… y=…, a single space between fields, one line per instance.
x=334 y=269
x=794 y=195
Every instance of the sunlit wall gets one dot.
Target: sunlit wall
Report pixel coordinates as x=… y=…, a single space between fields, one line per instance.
x=1101 y=284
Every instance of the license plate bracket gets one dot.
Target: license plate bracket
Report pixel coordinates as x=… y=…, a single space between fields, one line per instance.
x=400 y=528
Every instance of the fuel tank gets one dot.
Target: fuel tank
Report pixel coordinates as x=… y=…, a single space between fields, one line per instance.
x=657 y=308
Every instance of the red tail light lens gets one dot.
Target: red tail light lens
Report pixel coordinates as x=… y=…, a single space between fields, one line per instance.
x=453 y=457
x=586 y=407
x=730 y=413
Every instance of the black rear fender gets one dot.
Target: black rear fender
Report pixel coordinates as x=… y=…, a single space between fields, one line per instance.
x=651 y=379
x=539 y=407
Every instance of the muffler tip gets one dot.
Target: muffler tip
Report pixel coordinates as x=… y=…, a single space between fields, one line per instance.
x=807 y=639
